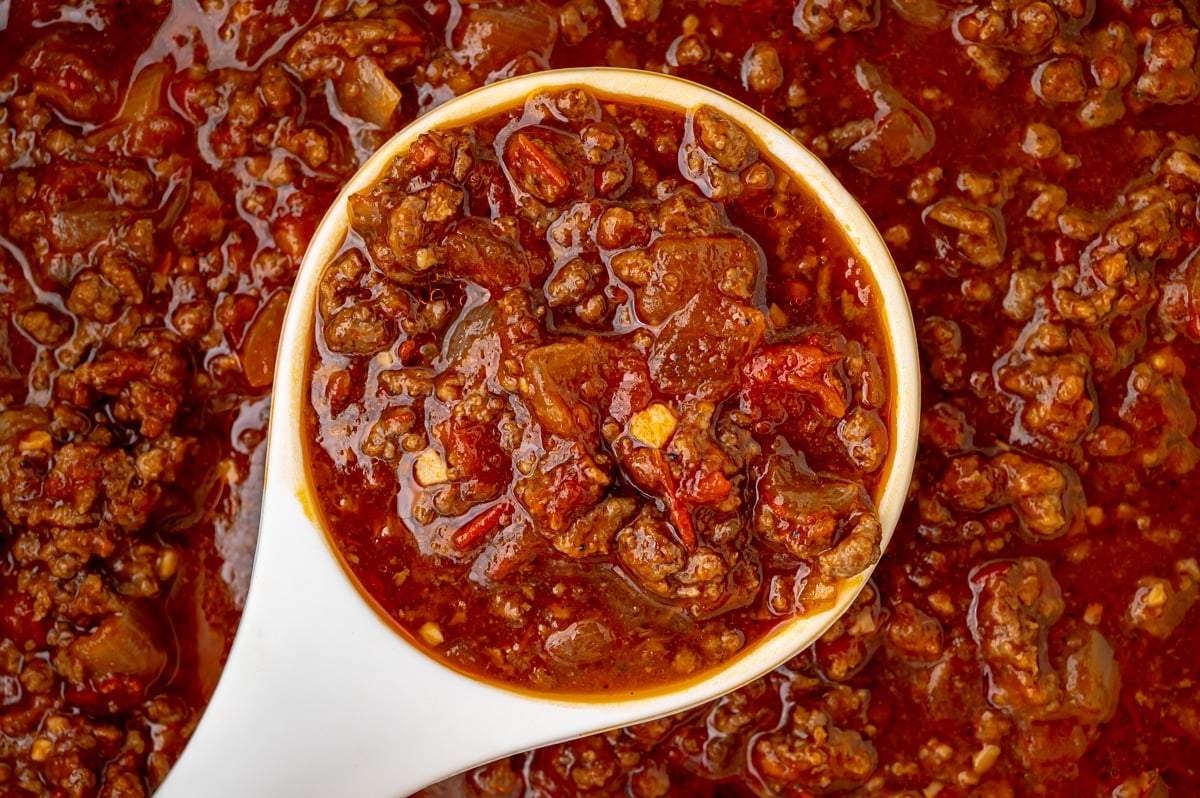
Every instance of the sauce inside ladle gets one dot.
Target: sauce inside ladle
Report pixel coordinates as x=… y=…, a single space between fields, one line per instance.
x=320 y=694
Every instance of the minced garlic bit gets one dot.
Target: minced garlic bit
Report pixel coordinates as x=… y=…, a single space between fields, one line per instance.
x=40 y=750
x=985 y=758
x=1153 y=596
x=167 y=564
x=653 y=426
x=430 y=469
x=36 y=441
x=431 y=633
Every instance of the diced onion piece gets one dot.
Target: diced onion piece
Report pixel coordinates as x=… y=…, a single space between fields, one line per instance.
x=490 y=36
x=366 y=92
x=262 y=341
x=430 y=469
x=1092 y=680
x=431 y=633
x=653 y=426
x=79 y=224
x=145 y=97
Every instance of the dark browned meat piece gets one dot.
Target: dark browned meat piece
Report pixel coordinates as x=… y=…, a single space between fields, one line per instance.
x=668 y=274
x=802 y=512
x=699 y=349
x=478 y=252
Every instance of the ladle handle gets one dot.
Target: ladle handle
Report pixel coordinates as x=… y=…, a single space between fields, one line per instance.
x=321 y=697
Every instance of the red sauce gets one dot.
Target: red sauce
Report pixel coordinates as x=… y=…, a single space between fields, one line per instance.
x=1074 y=125
x=598 y=396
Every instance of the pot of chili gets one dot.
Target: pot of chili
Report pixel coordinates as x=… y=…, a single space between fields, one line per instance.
x=596 y=398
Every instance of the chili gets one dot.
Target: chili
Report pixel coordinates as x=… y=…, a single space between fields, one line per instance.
x=574 y=482
x=1033 y=166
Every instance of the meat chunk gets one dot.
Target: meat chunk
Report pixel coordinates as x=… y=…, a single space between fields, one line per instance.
x=1158 y=413
x=975 y=233
x=1047 y=498
x=702 y=579
x=1025 y=29
x=675 y=270
x=72 y=82
x=339 y=281
x=914 y=634
x=1056 y=735
x=477 y=251
x=714 y=152
x=359 y=329
x=813 y=754
x=1169 y=67
x=145 y=379
x=635 y=13
x=1055 y=395
x=325 y=50
x=1158 y=606
x=762 y=70
x=700 y=350
x=816 y=17
x=593 y=532
x=565 y=482
x=856 y=551
x=1014 y=606
x=405 y=231
x=650 y=553
x=803 y=513
x=865 y=438
x=1060 y=80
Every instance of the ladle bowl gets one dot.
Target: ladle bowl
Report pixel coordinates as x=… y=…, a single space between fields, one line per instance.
x=321 y=695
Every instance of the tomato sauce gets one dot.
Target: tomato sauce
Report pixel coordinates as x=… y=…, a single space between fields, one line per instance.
x=574 y=426
x=1033 y=167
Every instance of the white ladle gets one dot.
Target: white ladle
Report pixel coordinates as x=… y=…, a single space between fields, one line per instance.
x=320 y=695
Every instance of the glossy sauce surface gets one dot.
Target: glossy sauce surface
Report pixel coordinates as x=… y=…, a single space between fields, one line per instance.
x=1033 y=167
